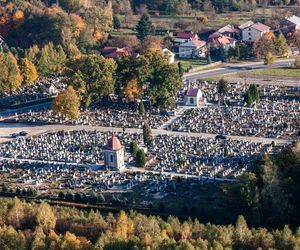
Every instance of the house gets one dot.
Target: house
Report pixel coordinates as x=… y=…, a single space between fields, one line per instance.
x=252 y=32
x=193 y=97
x=218 y=40
x=229 y=31
x=193 y=49
x=183 y=37
x=169 y=54
x=290 y=25
x=115 y=52
x=113 y=154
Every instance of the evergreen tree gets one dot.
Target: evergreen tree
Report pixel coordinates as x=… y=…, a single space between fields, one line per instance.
x=180 y=69
x=147 y=134
x=133 y=148
x=144 y=27
x=140 y=158
x=141 y=109
x=223 y=54
x=116 y=22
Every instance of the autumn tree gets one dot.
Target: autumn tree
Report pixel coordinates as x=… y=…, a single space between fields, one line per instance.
x=281 y=46
x=67 y=103
x=297 y=62
x=133 y=90
x=45 y=217
x=52 y=59
x=10 y=74
x=264 y=45
x=29 y=71
x=16 y=214
x=38 y=239
x=92 y=77
x=269 y=59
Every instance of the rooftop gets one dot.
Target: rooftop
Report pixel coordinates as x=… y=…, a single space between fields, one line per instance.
x=113 y=143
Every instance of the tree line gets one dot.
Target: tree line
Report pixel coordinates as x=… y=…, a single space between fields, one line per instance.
x=39 y=226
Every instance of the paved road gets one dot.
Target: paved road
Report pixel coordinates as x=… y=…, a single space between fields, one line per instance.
x=8 y=128
x=234 y=68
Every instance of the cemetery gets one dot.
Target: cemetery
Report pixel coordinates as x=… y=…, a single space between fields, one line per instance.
x=190 y=156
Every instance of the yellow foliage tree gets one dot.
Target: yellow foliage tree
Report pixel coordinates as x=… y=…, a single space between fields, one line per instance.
x=70 y=242
x=124 y=226
x=297 y=62
x=10 y=74
x=67 y=103
x=133 y=90
x=45 y=217
x=29 y=72
x=269 y=59
x=18 y=18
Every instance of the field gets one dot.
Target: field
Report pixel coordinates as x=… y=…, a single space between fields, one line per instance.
x=280 y=72
x=215 y=21
x=188 y=64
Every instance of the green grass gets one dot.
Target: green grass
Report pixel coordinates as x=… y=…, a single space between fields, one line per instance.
x=281 y=72
x=193 y=63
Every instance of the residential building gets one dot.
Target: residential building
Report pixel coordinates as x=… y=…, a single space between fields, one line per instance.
x=183 y=37
x=218 y=40
x=193 y=49
x=169 y=54
x=290 y=25
x=193 y=97
x=229 y=31
x=115 y=52
x=252 y=32
x=113 y=154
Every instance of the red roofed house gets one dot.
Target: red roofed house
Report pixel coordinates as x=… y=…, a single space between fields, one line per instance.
x=113 y=154
x=251 y=32
x=218 y=40
x=193 y=97
x=193 y=49
x=183 y=37
x=115 y=52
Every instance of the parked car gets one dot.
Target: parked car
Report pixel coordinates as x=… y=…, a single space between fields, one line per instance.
x=23 y=133
x=221 y=137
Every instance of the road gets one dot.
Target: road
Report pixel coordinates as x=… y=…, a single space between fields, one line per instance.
x=234 y=68
x=6 y=129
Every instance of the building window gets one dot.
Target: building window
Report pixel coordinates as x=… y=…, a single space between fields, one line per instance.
x=249 y=33
x=111 y=158
x=192 y=100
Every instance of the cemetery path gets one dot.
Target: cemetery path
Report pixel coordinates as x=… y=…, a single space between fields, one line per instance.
x=6 y=129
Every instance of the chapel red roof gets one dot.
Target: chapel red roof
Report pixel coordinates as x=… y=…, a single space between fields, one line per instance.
x=113 y=143
x=191 y=92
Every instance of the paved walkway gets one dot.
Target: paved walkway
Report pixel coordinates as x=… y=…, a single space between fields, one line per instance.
x=6 y=129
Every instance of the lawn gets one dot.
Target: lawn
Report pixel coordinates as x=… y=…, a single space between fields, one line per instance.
x=187 y=64
x=281 y=72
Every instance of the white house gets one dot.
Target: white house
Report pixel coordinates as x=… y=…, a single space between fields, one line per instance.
x=252 y=32
x=169 y=54
x=114 y=154
x=193 y=97
x=193 y=49
x=183 y=37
